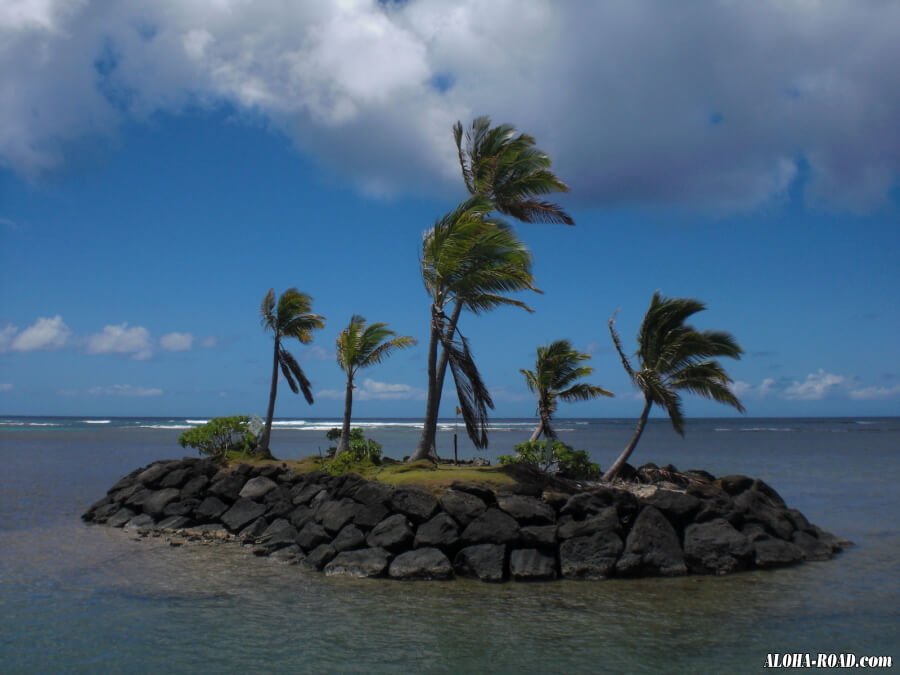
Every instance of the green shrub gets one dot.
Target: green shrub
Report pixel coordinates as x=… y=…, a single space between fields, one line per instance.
x=220 y=436
x=556 y=457
x=362 y=450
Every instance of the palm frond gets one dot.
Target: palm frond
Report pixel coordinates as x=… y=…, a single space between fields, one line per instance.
x=266 y=310
x=287 y=360
x=474 y=398
x=582 y=392
x=618 y=344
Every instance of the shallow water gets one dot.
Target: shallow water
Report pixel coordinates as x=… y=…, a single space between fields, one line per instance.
x=79 y=598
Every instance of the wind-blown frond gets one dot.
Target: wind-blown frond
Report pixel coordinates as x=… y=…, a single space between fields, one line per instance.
x=474 y=398
x=289 y=363
x=582 y=392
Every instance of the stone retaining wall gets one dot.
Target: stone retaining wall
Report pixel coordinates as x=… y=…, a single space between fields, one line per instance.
x=346 y=525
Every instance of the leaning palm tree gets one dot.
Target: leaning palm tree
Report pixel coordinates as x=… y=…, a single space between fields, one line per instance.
x=290 y=317
x=674 y=357
x=556 y=370
x=469 y=260
x=360 y=346
x=503 y=165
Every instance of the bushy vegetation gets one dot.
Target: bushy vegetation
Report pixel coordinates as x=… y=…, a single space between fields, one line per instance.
x=555 y=457
x=221 y=436
x=362 y=451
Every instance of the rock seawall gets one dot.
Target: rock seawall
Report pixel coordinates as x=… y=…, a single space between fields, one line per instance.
x=345 y=525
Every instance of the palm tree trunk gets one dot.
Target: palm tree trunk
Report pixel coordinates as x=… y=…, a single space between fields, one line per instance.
x=425 y=449
x=273 y=392
x=626 y=453
x=537 y=432
x=344 y=443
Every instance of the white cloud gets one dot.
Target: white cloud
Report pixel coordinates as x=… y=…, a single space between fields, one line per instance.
x=746 y=390
x=815 y=387
x=6 y=386
x=372 y=390
x=209 y=342
x=124 y=390
x=43 y=334
x=121 y=339
x=714 y=113
x=875 y=393
x=176 y=342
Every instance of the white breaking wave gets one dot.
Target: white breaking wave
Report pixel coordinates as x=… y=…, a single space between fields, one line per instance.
x=95 y=421
x=196 y=421
x=165 y=426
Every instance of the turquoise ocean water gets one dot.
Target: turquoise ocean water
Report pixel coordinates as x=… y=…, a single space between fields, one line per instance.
x=77 y=598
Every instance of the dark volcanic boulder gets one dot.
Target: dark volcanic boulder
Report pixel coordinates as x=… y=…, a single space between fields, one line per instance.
x=652 y=547
x=243 y=512
x=312 y=535
x=101 y=513
x=463 y=506
x=195 y=487
x=301 y=515
x=228 y=487
x=526 y=510
x=349 y=538
x=257 y=488
x=417 y=504
x=483 y=492
x=372 y=493
x=174 y=523
x=757 y=507
x=289 y=555
x=303 y=493
x=812 y=548
x=368 y=516
x=485 y=561
x=735 y=485
x=605 y=520
x=141 y=521
x=176 y=478
x=439 y=531
x=320 y=556
x=335 y=514
x=121 y=517
x=491 y=527
x=367 y=562
x=184 y=507
x=526 y=564
x=715 y=547
x=592 y=557
x=393 y=533
x=155 y=503
x=539 y=536
x=152 y=475
x=678 y=507
x=254 y=529
x=422 y=563
x=210 y=509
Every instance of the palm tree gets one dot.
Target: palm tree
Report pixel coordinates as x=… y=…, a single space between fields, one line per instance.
x=675 y=357
x=289 y=318
x=360 y=346
x=469 y=260
x=555 y=371
x=503 y=165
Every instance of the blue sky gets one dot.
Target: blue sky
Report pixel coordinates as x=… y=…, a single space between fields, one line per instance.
x=162 y=167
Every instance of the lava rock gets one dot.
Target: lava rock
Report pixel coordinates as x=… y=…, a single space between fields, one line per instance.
x=715 y=547
x=440 y=531
x=151 y=476
x=349 y=538
x=372 y=493
x=485 y=494
x=155 y=503
x=241 y=513
x=257 y=488
x=422 y=563
x=491 y=527
x=320 y=556
x=485 y=561
x=463 y=506
x=142 y=521
x=195 y=487
x=303 y=493
x=678 y=507
x=121 y=517
x=540 y=536
x=771 y=552
x=289 y=555
x=301 y=515
x=606 y=520
x=174 y=523
x=254 y=529
x=210 y=509
x=311 y=536
x=592 y=557
x=176 y=478
x=368 y=516
x=335 y=514
x=757 y=507
x=812 y=548
x=735 y=484
x=652 y=547
x=392 y=533
x=362 y=563
x=228 y=487
x=417 y=504
x=526 y=510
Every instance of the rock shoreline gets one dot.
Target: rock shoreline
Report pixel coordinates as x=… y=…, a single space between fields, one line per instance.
x=671 y=524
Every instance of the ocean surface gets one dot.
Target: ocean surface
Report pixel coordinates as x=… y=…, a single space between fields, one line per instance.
x=78 y=598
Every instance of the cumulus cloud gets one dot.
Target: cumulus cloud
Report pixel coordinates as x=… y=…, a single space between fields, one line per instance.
x=124 y=390
x=43 y=334
x=743 y=389
x=121 y=339
x=875 y=393
x=176 y=342
x=6 y=336
x=815 y=387
x=719 y=103
x=372 y=390
x=209 y=342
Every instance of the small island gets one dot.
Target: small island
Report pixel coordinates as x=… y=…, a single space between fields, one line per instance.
x=425 y=521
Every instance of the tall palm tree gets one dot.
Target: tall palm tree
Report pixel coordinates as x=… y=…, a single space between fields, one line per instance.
x=673 y=357
x=469 y=260
x=554 y=379
x=360 y=346
x=503 y=165
x=290 y=317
